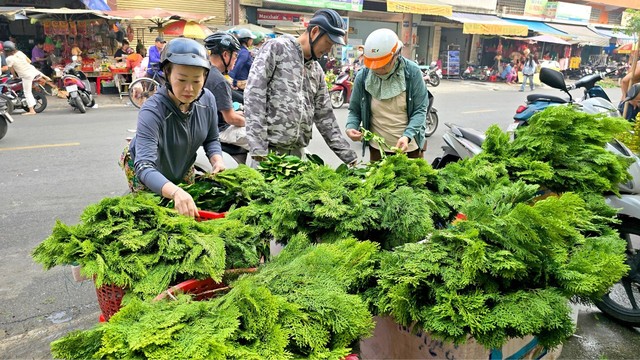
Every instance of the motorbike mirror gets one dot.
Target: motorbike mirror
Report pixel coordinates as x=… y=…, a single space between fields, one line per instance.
x=74 y=58
x=553 y=78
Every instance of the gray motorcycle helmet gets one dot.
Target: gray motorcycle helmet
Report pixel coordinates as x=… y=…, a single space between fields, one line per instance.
x=9 y=46
x=183 y=51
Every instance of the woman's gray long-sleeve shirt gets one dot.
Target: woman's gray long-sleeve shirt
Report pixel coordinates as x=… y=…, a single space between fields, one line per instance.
x=166 y=141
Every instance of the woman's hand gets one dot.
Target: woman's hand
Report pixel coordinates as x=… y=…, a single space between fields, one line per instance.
x=184 y=203
x=403 y=144
x=354 y=134
x=217 y=163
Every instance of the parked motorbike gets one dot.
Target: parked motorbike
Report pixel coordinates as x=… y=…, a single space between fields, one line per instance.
x=12 y=91
x=432 y=117
x=5 y=117
x=340 y=93
x=431 y=74
x=78 y=87
x=471 y=72
x=622 y=303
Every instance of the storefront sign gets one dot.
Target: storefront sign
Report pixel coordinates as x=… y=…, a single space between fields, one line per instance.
x=254 y=3
x=567 y=11
x=268 y=17
x=424 y=7
x=535 y=8
x=349 y=5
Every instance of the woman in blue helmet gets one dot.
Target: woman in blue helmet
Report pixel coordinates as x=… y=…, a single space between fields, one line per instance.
x=172 y=125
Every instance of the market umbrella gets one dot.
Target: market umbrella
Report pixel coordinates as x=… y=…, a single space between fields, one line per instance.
x=189 y=29
x=549 y=39
x=624 y=49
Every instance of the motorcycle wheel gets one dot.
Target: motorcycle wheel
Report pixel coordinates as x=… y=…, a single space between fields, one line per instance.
x=4 y=126
x=622 y=303
x=337 y=99
x=434 y=80
x=41 y=103
x=79 y=104
x=432 y=123
x=10 y=107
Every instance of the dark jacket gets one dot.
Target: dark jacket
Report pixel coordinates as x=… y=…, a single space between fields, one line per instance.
x=417 y=103
x=164 y=147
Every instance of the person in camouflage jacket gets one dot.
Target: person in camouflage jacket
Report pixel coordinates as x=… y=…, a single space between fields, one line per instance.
x=286 y=93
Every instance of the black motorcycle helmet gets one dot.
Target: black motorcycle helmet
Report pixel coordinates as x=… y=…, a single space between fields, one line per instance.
x=220 y=42
x=184 y=51
x=330 y=23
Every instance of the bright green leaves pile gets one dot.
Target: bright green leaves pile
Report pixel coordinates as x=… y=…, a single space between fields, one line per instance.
x=392 y=204
x=572 y=143
x=506 y=271
x=133 y=242
x=298 y=306
x=228 y=189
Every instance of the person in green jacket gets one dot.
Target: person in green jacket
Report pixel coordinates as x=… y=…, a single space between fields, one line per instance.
x=389 y=98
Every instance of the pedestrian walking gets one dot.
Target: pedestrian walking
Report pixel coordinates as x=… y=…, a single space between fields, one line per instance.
x=528 y=70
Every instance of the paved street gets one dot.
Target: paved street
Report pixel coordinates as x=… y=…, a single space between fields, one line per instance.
x=55 y=164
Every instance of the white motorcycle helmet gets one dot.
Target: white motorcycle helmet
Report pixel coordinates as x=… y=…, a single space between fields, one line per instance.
x=380 y=47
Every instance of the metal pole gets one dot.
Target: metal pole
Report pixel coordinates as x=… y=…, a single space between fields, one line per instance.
x=634 y=65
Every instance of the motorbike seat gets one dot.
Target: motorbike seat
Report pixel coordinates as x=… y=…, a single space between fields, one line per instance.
x=548 y=98
x=472 y=135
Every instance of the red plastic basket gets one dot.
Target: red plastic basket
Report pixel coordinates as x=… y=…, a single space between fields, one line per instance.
x=110 y=296
x=202 y=289
x=209 y=215
x=109 y=299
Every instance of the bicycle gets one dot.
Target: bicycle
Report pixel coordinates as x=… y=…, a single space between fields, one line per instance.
x=143 y=88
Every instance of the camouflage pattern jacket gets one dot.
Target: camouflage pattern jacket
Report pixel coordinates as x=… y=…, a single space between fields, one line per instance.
x=284 y=97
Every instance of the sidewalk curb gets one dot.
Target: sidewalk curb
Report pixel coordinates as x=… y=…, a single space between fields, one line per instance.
x=103 y=101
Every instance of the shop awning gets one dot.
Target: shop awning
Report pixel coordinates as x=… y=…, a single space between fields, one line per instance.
x=615 y=34
x=423 y=7
x=67 y=13
x=487 y=25
x=539 y=27
x=549 y=39
x=13 y=13
x=582 y=35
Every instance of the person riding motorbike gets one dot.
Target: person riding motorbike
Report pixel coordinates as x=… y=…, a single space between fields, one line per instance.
x=172 y=125
x=389 y=98
x=223 y=50
x=21 y=67
x=286 y=92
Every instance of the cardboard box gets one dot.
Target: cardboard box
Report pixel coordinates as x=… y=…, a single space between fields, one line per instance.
x=393 y=341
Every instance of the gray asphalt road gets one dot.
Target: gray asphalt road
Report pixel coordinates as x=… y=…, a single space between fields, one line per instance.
x=55 y=164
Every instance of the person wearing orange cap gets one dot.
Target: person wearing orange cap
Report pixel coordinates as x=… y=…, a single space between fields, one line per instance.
x=389 y=98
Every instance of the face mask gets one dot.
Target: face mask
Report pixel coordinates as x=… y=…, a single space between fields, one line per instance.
x=360 y=53
x=388 y=75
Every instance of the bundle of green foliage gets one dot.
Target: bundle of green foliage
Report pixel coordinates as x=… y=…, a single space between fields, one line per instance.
x=278 y=167
x=509 y=270
x=131 y=241
x=573 y=144
x=228 y=189
x=297 y=306
x=392 y=203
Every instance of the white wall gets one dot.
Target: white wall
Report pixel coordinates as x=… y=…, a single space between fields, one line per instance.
x=486 y=5
x=364 y=28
